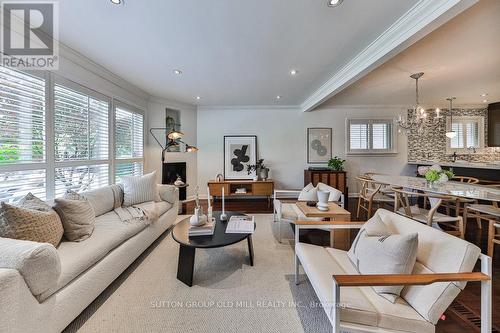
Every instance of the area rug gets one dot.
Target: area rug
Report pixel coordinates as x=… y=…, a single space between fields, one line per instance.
x=228 y=295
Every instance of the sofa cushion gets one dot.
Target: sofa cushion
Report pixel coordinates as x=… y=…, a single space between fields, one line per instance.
x=77 y=217
x=334 y=193
x=101 y=199
x=438 y=252
x=362 y=306
x=38 y=263
x=308 y=193
x=43 y=226
x=168 y=193
x=139 y=189
x=76 y=257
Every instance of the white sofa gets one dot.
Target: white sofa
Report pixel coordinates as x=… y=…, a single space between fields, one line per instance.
x=352 y=305
x=86 y=268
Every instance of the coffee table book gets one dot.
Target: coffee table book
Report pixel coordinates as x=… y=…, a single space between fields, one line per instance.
x=205 y=230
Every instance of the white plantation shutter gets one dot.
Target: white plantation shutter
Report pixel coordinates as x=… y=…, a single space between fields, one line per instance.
x=22 y=117
x=367 y=136
x=80 y=178
x=22 y=138
x=472 y=134
x=80 y=126
x=458 y=140
x=129 y=142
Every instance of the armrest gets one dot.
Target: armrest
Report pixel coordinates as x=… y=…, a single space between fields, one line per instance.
x=327 y=223
x=168 y=193
x=406 y=279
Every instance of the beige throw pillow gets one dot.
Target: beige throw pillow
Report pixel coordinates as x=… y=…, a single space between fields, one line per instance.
x=376 y=251
x=77 y=216
x=36 y=225
x=308 y=193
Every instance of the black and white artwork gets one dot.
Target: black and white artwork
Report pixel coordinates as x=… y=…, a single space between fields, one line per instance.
x=319 y=145
x=239 y=151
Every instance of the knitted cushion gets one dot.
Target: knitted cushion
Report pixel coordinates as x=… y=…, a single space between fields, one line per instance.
x=30 y=224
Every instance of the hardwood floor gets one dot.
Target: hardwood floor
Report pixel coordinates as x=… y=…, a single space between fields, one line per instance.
x=460 y=317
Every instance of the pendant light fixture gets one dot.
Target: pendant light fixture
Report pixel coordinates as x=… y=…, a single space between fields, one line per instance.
x=451 y=134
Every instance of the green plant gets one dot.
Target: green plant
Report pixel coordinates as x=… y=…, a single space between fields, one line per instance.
x=336 y=163
x=441 y=175
x=432 y=175
x=256 y=166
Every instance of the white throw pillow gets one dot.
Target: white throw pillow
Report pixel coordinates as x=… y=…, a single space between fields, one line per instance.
x=376 y=251
x=334 y=193
x=139 y=189
x=308 y=193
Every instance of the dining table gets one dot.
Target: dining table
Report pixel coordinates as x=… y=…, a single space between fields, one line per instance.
x=451 y=188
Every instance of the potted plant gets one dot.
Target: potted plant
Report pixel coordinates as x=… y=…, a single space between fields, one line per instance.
x=261 y=171
x=436 y=175
x=336 y=163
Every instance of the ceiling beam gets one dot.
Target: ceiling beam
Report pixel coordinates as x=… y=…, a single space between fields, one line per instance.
x=420 y=20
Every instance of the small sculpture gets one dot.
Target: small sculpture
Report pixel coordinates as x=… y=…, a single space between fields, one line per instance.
x=198 y=218
x=179 y=182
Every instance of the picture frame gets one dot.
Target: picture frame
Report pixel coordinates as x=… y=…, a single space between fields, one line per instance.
x=239 y=152
x=319 y=145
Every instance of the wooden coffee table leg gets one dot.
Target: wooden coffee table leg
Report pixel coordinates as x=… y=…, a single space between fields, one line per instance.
x=185 y=266
x=250 y=249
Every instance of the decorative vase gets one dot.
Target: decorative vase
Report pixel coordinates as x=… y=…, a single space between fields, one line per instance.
x=323 y=200
x=198 y=218
x=263 y=173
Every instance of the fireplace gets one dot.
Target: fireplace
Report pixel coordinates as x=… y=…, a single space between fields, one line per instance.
x=170 y=173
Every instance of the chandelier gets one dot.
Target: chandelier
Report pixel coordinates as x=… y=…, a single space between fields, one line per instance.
x=417 y=115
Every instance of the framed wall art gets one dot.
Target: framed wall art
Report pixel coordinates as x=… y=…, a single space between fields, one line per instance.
x=319 y=145
x=239 y=151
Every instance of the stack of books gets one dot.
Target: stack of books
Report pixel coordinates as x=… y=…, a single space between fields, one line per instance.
x=240 y=225
x=204 y=230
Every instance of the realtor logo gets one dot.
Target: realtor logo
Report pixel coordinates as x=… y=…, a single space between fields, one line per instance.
x=29 y=35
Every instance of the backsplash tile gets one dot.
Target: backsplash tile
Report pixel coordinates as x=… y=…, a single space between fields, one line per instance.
x=431 y=145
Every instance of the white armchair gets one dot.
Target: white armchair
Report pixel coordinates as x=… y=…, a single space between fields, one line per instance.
x=286 y=211
x=444 y=264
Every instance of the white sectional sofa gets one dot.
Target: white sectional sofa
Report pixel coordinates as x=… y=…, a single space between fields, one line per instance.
x=63 y=289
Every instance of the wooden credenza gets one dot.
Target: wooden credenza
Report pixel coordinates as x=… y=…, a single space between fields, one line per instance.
x=337 y=179
x=261 y=188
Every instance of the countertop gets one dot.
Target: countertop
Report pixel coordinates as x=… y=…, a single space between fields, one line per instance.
x=461 y=164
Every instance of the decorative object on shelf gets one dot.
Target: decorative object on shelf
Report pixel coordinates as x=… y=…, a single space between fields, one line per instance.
x=322 y=200
x=336 y=163
x=319 y=145
x=223 y=215
x=239 y=152
x=417 y=117
x=451 y=134
x=172 y=123
x=198 y=218
x=260 y=170
x=179 y=182
x=219 y=178
x=173 y=139
x=436 y=175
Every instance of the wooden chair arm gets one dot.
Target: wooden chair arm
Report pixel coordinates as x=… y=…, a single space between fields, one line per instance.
x=406 y=279
x=326 y=223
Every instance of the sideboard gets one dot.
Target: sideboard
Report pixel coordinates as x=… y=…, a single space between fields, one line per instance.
x=261 y=188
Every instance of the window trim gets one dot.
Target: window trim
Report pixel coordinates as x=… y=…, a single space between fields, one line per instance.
x=370 y=151
x=464 y=119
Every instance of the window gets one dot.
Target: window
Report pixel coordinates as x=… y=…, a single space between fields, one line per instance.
x=81 y=140
x=370 y=136
x=22 y=142
x=129 y=141
x=469 y=133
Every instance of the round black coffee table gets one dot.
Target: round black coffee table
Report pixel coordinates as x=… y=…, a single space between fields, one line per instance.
x=188 y=245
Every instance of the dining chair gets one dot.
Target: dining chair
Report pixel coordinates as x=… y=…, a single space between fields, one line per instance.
x=406 y=204
x=493 y=236
x=481 y=211
x=458 y=206
x=370 y=194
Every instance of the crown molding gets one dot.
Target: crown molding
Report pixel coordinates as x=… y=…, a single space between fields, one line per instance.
x=424 y=17
x=171 y=103
x=247 y=107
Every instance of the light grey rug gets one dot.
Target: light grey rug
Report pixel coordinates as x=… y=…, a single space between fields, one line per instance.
x=228 y=294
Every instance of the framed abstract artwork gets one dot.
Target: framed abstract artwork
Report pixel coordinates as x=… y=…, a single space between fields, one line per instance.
x=319 y=145
x=239 y=151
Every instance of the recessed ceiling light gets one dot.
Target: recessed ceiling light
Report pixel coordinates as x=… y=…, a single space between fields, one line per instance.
x=294 y=72
x=484 y=94
x=116 y=2
x=334 y=3
x=177 y=71
x=278 y=97
x=198 y=98
x=485 y=101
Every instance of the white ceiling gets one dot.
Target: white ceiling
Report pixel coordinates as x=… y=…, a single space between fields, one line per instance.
x=461 y=59
x=231 y=52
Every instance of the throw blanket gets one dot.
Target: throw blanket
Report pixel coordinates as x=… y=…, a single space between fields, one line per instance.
x=139 y=213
